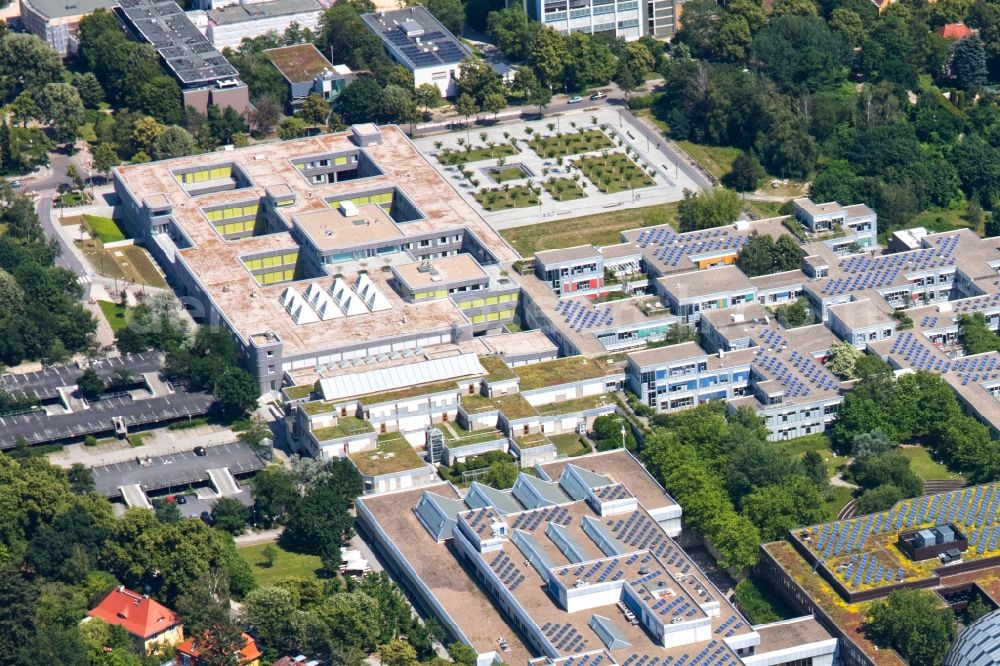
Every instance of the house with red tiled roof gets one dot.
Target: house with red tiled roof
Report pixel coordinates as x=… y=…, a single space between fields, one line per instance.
x=188 y=652
x=150 y=624
x=954 y=31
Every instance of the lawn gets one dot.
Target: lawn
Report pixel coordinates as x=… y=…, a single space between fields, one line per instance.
x=503 y=174
x=517 y=196
x=717 y=160
x=564 y=189
x=469 y=153
x=115 y=313
x=286 y=564
x=836 y=498
x=72 y=199
x=926 y=468
x=130 y=263
x=570 y=444
x=937 y=220
x=104 y=228
x=599 y=229
x=613 y=173
x=821 y=443
x=560 y=145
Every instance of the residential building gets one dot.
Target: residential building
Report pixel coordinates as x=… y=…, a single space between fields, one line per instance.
x=954 y=31
x=946 y=543
x=204 y=75
x=307 y=71
x=576 y=564
x=150 y=624
x=228 y=26
x=847 y=226
x=189 y=652
x=56 y=21
x=416 y=40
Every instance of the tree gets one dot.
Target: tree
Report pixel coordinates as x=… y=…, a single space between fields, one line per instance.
x=204 y=602
x=501 y=475
x=62 y=108
x=315 y=109
x=344 y=36
x=361 y=101
x=590 y=62
x=968 y=63
x=23 y=109
x=494 y=103
x=705 y=210
x=398 y=653
x=913 y=623
x=800 y=53
x=105 y=158
x=224 y=124
x=633 y=65
x=463 y=654
x=270 y=554
x=745 y=174
x=90 y=383
x=777 y=509
x=229 y=515
x=873 y=443
x=292 y=127
x=509 y=30
x=173 y=142
x=274 y=494
x=466 y=107
x=80 y=478
x=878 y=499
x=427 y=96
x=145 y=131
x=888 y=468
x=236 y=392
x=975 y=334
x=794 y=314
x=27 y=63
x=264 y=116
x=451 y=13
x=397 y=104
x=814 y=468
x=843 y=357
x=220 y=645
x=547 y=56
x=794 y=8
x=319 y=523
x=89 y=88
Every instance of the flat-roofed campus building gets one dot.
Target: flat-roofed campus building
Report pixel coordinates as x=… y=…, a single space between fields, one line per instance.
x=416 y=40
x=340 y=248
x=228 y=26
x=56 y=21
x=307 y=71
x=204 y=75
x=576 y=564
x=948 y=543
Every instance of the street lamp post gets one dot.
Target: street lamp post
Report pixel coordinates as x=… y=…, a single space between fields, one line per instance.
x=623 y=436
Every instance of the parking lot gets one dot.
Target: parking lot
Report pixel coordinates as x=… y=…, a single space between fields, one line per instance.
x=176 y=470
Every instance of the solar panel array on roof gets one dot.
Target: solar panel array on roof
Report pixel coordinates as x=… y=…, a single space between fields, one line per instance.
x=564 y=637
x=581 y=316
x=672 y=247
x=715 y=653
x=977 y=304
x=418 y=37
x=186 y=51
x=868 y=272
x=613 y=492
x=529 y=521
x=973 y=510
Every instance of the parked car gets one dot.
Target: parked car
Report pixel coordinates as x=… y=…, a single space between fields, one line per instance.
x=181 y=499
x=599 y=95
x=15 y=184
x=200 y=451
x=575 y=100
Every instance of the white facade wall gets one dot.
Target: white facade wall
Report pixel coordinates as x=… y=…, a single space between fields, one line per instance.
x=233 y=34
x=445 y=77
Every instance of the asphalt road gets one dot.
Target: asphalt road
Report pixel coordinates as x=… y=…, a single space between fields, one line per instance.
x=175 y=469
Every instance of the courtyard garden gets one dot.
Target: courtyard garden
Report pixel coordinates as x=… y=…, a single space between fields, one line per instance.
x=564 y=189
x=502 y=174
x=508 y=196
x=466 y=152
x=613 y=172
x=560 y=145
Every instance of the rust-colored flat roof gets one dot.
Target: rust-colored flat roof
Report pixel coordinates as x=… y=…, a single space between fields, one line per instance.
x=252 y=309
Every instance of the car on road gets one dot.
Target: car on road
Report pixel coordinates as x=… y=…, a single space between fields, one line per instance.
x=599 y=95
x=200 y=451
x=15 y=184
x=575 y=100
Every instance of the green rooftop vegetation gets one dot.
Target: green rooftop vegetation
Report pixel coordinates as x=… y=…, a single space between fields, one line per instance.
x=560 y=371
x=574 y=406
x=346 y=426
x=514 y=406
x=497 y=369
x=570 y=444
x=456 y=436
x=408 y=392
x=393 y=454
x=531 y=441
x=316 y=407
x=298 y=392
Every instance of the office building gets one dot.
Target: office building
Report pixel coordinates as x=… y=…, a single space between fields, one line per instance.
x=228 y=26
x=307 y=71
x=57 y=21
